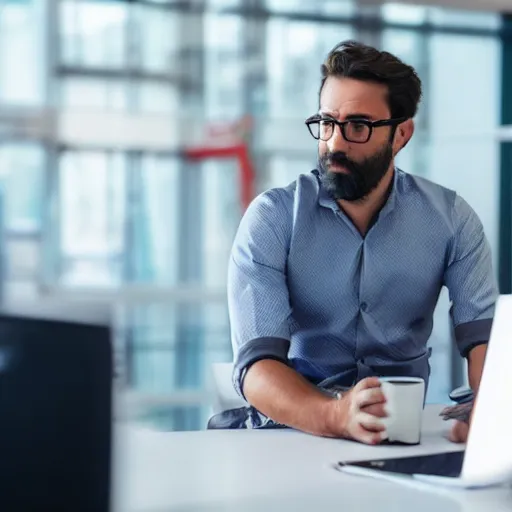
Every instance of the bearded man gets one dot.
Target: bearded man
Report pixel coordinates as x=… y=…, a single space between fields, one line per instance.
x=333 y=280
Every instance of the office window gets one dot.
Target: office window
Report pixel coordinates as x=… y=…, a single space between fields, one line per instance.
x=155 y=218
x=402 y=13
x=464 y=18
x=335 y=8
x=284 y=170
x=93 y=34
x=21 y=205
x=221 y=215
x=22 y=172
x=223 y=4
x=92 y=217
x=463 y=149
x=22 y=57
x=396 y=12
x=151 y=345
x=172 y=346
x=159 y=36
x=295 y=51
x=225 y=67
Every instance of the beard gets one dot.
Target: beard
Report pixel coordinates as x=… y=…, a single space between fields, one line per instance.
x=360 y=178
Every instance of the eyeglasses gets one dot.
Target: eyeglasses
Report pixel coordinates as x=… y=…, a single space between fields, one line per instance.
x=354 y=130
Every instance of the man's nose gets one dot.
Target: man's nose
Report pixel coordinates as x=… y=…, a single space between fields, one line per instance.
x=337 y=142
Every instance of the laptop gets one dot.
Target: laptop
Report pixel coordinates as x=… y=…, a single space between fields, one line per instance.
x=55 y=406
x=487 y=457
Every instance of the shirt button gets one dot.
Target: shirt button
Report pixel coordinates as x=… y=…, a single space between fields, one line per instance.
x=364 y=306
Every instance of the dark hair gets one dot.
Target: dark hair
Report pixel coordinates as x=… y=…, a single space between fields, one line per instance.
x=351 y=59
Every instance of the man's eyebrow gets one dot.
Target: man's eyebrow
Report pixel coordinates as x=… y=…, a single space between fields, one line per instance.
x=328 y=113
x=360 y=115
x=355 y=115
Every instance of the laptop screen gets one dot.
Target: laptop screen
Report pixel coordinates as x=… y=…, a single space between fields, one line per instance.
x=55 y=414
x=489 y=449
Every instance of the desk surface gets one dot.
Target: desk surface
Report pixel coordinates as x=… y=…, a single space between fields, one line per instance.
x=273 y=470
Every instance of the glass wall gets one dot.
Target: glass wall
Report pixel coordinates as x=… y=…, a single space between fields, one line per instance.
x=224 y=67
x=92 y=212
x=21 y=34
x=22 y=166
x=145 y=223
x=22 y=163
x=294 y=53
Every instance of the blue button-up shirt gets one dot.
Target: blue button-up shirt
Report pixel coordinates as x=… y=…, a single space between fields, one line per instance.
x=306 y=288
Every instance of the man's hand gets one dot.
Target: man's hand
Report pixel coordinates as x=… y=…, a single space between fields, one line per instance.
x=460 y=429
x=357 y=414
x=459 y=432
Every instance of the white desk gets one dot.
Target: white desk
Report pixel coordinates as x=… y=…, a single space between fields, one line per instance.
x=244 y=470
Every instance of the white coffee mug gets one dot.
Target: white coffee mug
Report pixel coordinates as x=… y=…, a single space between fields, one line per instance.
x=404 y=406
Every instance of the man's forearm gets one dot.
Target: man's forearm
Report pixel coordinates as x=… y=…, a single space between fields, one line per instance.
x=286 y=397
x=476 y=360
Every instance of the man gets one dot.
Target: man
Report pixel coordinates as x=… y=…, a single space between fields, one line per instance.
x=334 y=279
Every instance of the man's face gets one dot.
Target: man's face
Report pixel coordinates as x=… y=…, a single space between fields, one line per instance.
x=351 y=170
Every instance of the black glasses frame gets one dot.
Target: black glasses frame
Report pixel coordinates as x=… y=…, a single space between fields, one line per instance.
x=317 y=118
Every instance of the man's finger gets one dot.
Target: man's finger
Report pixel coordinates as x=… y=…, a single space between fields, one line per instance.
x=378 y=410
x=369 y=396
x=369 y=422
x=369 y=382
x=368 y=437
x=459 y=432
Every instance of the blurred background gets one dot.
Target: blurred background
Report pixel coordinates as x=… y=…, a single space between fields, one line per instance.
x=105 y=105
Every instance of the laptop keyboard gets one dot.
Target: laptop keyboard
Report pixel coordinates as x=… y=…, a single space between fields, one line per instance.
x=441 y=464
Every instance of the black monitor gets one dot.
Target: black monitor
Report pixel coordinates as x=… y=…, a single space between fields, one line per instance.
x=55 y=411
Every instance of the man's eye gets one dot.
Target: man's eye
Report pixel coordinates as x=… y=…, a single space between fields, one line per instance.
x=358 y=127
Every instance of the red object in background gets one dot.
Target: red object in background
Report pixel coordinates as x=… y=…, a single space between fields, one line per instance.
x=241 y=153
x=238 y=150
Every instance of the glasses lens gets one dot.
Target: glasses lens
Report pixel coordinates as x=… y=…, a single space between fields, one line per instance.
x=357 y=131
x=326 y=129
x=314 y=129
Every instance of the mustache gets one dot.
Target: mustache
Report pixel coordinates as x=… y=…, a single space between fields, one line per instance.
x=340 y=158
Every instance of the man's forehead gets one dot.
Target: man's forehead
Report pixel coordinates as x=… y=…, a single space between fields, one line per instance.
x=346 y=96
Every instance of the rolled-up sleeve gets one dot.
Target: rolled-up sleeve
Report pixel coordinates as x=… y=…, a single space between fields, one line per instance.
x=258 y=300
x=470 y=279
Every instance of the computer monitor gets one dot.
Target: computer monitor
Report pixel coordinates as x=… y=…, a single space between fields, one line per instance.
x=55 y=406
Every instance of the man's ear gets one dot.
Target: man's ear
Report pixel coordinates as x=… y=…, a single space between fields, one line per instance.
x=403 y=134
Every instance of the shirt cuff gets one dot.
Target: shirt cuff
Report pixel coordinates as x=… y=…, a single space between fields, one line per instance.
x=256 y=350
x=470 y=334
